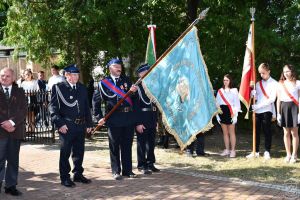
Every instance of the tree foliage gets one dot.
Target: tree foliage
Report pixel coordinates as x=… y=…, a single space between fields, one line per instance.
x=79 y=29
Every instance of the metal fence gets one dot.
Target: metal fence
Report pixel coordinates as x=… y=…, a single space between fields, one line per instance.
x=38 y=124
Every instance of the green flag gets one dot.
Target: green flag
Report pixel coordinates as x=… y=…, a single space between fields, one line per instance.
x=151 y=46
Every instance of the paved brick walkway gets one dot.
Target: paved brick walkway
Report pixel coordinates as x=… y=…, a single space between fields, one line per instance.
x=39 y=179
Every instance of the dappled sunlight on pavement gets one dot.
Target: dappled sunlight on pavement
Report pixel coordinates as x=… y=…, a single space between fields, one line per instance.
x=39 y=179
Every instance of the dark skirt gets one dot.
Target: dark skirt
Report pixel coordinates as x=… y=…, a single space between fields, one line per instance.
x=289 y=114
x=225 y=117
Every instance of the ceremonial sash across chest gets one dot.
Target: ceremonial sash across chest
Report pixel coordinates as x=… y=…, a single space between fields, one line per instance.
x=112 y=87
x=226 y=102
x=290 y=95
x=263 y=90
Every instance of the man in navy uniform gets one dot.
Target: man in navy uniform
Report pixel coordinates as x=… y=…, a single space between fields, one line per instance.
x=70 y=112
x=146 y=128
x=122 y=122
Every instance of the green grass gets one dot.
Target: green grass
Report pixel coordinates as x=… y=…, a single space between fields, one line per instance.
x=271 y=171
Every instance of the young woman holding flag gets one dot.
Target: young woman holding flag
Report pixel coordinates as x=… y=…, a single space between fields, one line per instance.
x=228 y=100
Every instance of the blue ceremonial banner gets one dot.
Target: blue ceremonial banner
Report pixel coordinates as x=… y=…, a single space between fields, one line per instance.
x=180 y=87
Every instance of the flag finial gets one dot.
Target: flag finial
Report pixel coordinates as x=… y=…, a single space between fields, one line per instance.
x=202 y=15
x=252 y=12
x=151 y=19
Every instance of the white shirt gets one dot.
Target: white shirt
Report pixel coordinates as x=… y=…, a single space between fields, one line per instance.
x=292 y=88
x=232 y=96
x=9 y=92
x=114 y=78
x=54 y=80
x=9 y=89
x=266 y=104
x=30 y=85
x=72 y=85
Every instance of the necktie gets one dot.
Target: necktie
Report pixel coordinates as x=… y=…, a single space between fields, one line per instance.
x=74 y=87
x=116 y=79
x=6 y=93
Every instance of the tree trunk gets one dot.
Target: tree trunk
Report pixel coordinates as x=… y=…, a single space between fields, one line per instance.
x=192 y=6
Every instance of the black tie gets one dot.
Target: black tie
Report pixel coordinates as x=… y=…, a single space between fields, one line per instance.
x=6 y=93
x=74 y=88
x=116 y=79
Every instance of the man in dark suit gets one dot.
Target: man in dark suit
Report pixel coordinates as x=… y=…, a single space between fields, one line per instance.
x=70 y=113
x=13 y=110
x=122 y=122
x=146 y=128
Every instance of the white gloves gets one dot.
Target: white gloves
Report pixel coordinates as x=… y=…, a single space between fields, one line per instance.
x=279 y=119
x=255 y=107
x=298 y=118
x=253 y=93
x=234 y=119
x=218 y=119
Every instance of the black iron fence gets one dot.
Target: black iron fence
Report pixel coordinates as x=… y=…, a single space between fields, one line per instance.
x=38 y=124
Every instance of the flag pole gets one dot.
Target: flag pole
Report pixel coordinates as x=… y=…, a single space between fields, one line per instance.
x=252 y=11
x=201 y=16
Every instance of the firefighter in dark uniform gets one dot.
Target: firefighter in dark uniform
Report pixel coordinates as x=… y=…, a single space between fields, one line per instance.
x=146 y=128
x=122 y=122
x=70 y=113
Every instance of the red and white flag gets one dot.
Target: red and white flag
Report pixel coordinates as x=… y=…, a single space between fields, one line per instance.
x=248 y=75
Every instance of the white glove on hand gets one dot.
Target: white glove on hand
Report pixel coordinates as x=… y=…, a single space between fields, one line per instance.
x=279 y=119
x=253 y=93
x=218 y=119
x=298 y=118
x=255 y=107
x=234 y=119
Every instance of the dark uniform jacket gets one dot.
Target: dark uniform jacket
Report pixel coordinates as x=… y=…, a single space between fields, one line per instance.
x=148 y=117
x=118 y=118
x=14 y=109
x=60 y=112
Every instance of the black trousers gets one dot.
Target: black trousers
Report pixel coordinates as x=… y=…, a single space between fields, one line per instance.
x=120 y=142
x=9 y=152
x=263 y=122
x=72 y=141
x=198 y=145
x=145 y=148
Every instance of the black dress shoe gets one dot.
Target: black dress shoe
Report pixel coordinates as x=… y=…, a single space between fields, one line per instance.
x=81 y=179
x=154 y=169
x=130 y=175
x=68 y=183
x=12 y=191
x=117 y=176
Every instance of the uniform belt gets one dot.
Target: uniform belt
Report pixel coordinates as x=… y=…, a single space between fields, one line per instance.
x=148 y=109
x=125 y=109
x=78 y=121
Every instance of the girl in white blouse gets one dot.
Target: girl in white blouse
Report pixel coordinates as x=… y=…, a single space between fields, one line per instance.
x=228 y=100
x=30 y=85
x=288 y=116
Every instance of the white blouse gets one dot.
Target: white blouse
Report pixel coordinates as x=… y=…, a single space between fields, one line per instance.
x=292 y=88
x=30 y=85
x=232 y=96
x=265 y=103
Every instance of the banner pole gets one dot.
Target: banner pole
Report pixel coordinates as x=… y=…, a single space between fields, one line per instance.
x=252 y=11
